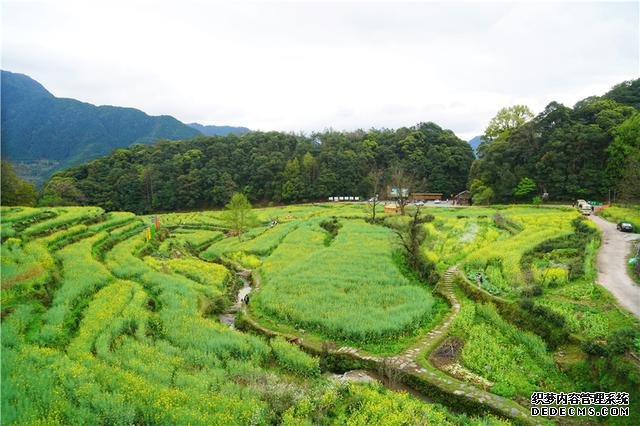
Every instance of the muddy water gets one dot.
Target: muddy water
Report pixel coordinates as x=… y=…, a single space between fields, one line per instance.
x=229 y=316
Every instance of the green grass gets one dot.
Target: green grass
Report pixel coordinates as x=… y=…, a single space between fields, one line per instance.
x=517 y=362
x=622 y=213
x=350 y=290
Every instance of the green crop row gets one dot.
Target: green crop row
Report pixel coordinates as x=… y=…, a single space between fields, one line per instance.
x=516 y=362
x=66 y=217
x=349 y=290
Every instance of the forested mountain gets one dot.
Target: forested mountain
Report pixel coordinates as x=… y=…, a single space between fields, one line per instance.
x=218 y=130
x=274 y=166
x=42 y=133
x=589 y=151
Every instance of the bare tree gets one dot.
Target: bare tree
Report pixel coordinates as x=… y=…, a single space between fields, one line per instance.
x=401 y=185
x=376 y=185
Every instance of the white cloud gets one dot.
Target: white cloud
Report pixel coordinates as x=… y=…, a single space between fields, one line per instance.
x=307 y=66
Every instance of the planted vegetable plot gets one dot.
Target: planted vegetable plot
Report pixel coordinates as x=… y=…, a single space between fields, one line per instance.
x=497 y=262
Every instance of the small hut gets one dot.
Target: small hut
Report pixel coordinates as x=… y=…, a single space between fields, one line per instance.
x=391 y=208
x=462 y=199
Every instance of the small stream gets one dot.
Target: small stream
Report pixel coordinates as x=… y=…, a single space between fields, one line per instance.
x=229 y=316
x=358 y=376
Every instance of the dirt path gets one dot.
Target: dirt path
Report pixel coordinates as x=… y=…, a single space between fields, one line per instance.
x=612 y=265
x=408 y=358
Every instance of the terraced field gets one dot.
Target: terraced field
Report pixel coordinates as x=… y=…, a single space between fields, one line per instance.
x=101 y=326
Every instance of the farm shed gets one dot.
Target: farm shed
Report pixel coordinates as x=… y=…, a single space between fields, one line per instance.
x=426 y=196
x=391 y=208
x=462 y=199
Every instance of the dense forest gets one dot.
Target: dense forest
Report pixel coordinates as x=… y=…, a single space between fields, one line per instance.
x=589 y=151
x=273 y=166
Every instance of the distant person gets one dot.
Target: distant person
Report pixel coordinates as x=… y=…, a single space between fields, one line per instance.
x=246 y=299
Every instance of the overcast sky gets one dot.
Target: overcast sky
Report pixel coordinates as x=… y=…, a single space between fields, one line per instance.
x=308 y=66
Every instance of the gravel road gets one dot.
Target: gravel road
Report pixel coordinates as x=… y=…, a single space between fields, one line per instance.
x=612 y=265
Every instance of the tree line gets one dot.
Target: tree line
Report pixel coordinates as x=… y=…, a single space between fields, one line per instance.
x=265 y=166
x=590 y=151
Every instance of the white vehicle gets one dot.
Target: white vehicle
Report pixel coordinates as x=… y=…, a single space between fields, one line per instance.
x=436 y=201
x=584 y=207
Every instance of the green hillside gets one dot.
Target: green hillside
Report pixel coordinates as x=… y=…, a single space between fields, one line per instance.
x=42 y=133
x=590 y=151
x=273 y=166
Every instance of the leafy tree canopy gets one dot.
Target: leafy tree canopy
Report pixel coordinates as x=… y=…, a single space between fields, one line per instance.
x=570 y=153
x=525 y=187
x=282 y=167
x=507 y=120
x=15 y=191
x=238 y=215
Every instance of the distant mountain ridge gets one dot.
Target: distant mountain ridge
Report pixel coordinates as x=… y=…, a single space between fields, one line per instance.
x=42 y=133
x=211 y=130
x=475 y=143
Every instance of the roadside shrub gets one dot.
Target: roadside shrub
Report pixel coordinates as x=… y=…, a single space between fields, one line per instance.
x=531 y=291
x=620 y=341
x=594 y=347
x=293 y=359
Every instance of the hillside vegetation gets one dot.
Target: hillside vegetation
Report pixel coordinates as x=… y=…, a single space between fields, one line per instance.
x=590 y=151
x=211 y=130
x=270 y=166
